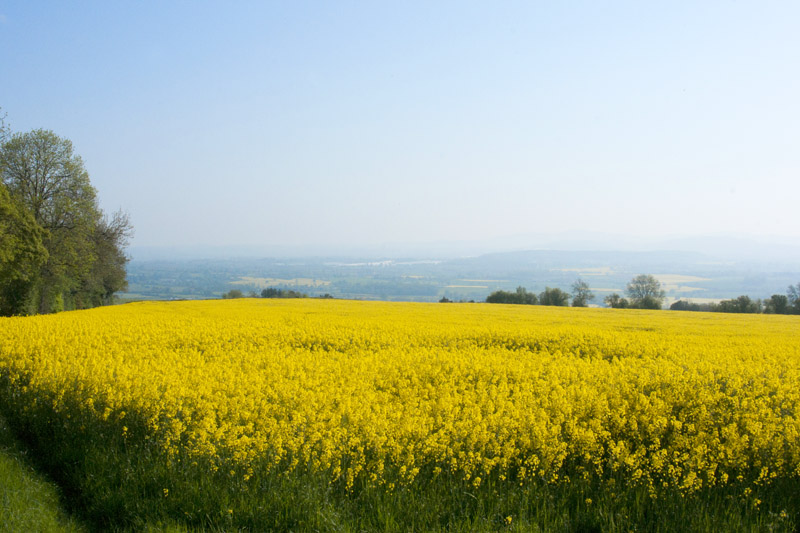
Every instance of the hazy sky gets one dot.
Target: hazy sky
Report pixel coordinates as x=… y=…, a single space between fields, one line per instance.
x=374 y=122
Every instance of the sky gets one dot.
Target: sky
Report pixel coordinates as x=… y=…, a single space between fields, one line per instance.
x=364 y=123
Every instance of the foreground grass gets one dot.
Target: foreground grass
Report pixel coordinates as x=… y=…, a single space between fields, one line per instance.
x=28 y=502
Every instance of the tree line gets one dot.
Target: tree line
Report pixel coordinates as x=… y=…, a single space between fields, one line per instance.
x=777 y=304
x=58 y=249
x=645 y=292
x=581 y=296
x=270 y=292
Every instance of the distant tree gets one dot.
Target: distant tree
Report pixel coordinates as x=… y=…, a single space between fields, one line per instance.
x=645 y=292
x=615 y=301
x=445 y=300
x=520 y=296
x=272 y=292
x=778 y=304
x=233 y=294
x=555 y=297
x=326 y=296
x=742 y=304
x=581 y=294
x=793 y=297
x=683 y=305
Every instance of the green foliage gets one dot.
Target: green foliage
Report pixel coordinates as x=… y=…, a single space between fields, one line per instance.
x=683 y=305
x=793 y=297
x=520 y=296
x=615 y=301
x=233 y=294
x=56 y=211
x=777 y=304
x=22 y=253
x=645 y=292
x=555 y=297
x=107 y=275
x=581 y=294
x=272 y=292
x=742 y=304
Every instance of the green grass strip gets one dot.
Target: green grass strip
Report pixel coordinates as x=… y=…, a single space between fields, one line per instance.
x=28 y=502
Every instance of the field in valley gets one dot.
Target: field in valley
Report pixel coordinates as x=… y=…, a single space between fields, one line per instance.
x=338 y=415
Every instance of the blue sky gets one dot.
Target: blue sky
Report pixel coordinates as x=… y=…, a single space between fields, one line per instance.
x=303 y=123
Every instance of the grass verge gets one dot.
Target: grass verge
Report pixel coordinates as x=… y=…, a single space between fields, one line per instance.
x=28 y=502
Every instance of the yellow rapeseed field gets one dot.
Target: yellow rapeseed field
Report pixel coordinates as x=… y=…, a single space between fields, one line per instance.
x=386 y=393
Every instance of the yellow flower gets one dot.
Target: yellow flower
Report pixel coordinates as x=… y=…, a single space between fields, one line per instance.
x=383 y=393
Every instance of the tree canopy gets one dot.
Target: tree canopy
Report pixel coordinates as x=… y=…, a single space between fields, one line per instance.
x=615 y=301
x=65 y=252
x=520 y=296
x=581 y=294
x=555 y=297
x=645 y=292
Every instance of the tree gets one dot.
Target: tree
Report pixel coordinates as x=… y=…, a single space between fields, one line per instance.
x=645 y=292
x=85 y=261
x=683 y=305
x=581 y=294
x=555 y=297
x=521 y=296
x=271 y=292
x=742 y=304
x=108 y=274
x=793 y=297
x=21 y=255
x=615 y=301
x=233 y=294
x=778 y=304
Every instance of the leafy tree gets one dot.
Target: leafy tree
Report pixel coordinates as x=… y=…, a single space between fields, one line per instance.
x=645 y=292
x=555 y=297
x=271 y=292
x=581 y=294
x=683 y=305
x=21 y=255
x=615 y=301
x=43 y=174
x=108 y=274
x=778 y=304
x=233 y=294
x=445 y=300
x=520 y=296
x=742 y=304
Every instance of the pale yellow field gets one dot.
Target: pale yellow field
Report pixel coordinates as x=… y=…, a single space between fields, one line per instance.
x=387 y=392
